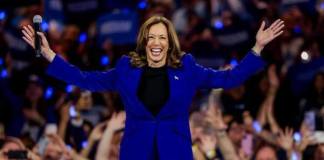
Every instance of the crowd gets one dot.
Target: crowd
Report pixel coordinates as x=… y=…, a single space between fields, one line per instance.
x=276 y=114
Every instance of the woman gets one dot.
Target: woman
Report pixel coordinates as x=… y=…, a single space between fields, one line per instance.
x=156 y=84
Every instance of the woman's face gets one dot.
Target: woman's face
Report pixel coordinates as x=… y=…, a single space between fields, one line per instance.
x=157 y=45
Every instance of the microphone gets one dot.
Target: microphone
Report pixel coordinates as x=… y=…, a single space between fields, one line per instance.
x=37 y=20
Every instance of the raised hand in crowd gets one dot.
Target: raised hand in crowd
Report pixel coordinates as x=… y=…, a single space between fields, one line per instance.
x=95 y=135
x=285 y=140
x=306 y=138
x=116 y=122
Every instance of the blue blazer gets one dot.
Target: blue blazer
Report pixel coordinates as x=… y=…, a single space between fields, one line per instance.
x=170 y=128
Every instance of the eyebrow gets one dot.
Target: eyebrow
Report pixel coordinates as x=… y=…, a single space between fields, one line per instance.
x=156 y=35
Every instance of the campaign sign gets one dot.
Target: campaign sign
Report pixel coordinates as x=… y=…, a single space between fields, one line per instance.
x=120 y=28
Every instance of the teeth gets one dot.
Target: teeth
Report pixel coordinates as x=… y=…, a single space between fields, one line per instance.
x=156 y=49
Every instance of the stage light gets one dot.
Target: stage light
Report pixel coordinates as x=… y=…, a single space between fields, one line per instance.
x=104 y=60
x=305 y=56
x=4 y=73
x=83 y=37
x=44 y=26
x=1 y=61
x=2 y=15
x=218 y=24
x=142 y=5
x=49 y=93
x=233 y=62
x=69 y=88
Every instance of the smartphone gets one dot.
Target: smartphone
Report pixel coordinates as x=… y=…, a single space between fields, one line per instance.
x=319 y=137
x=309 y=120
x=17 y=154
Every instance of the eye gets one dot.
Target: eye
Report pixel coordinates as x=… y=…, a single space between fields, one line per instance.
x=150 y=37
x=163 y=37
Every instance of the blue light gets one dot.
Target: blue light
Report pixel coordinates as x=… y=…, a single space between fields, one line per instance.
x=82 y=37
x=257 y=127
x=48 y=93
x=4 y=73
x=142 y=5
x=84 y=144
x=2 y=15
x=44 y=26
x=73 y=113
x=104 y=60
x=1 y=61
x=297 y=137
x=218 y=24
x=233 y=63
x=297 y=29
x=69 y=88
x=322 y=6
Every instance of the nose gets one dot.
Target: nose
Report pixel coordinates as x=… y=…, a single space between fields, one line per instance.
x=156 y=41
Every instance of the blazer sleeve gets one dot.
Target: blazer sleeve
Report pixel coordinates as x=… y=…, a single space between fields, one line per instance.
x=210 y=78
x=90 y=80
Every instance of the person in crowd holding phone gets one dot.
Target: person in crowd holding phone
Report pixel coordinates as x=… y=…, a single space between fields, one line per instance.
x=156 y=84
x=13 y=148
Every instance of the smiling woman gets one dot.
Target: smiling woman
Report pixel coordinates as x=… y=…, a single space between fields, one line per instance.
x=156 y=84
x=158 y=44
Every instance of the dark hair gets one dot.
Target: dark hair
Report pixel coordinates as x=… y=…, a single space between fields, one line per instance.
x=138 y=58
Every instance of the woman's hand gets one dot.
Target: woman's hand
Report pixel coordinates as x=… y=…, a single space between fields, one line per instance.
x=29 y=37
x=285 y=139
x=264 y=36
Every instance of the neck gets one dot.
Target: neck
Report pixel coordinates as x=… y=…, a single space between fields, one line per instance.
x=156 y=64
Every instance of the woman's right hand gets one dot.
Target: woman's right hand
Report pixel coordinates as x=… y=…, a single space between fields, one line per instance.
x=29 y=37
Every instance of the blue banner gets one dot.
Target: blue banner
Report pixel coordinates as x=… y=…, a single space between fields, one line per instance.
x=54 y=10
x=120 y=28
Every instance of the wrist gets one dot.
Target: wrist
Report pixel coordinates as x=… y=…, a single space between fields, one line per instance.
x=257 y=49
x=49 y=54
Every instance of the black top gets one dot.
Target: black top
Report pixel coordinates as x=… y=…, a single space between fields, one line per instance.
x=153 y=89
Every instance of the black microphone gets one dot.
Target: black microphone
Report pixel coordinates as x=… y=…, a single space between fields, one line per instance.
x=37 y=20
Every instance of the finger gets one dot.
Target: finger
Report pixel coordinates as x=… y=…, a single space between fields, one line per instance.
x=28 y=41
x=277 y=25
x=276 y=30
x=26 y=31
x=274 y=23
x=278 y=34
x=27 y=35
x=31 y=29
x=262 y=26
x=43 y=38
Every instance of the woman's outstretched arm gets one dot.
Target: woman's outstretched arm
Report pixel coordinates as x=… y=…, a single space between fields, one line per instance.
x=62 y=70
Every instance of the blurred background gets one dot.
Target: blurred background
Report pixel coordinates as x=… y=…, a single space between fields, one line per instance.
x=285 y=101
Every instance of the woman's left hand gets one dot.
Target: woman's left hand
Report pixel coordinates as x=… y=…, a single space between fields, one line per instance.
x=264 y=36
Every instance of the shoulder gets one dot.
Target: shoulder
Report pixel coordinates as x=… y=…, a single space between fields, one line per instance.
x=123 y=62
x=187 y=59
